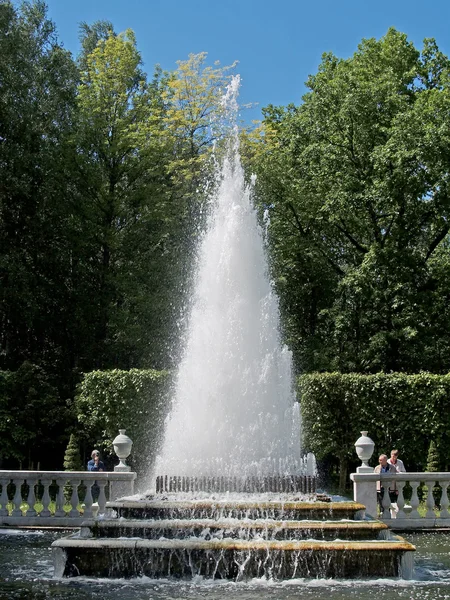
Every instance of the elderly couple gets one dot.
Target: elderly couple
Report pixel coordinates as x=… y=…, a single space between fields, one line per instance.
x=391 y=465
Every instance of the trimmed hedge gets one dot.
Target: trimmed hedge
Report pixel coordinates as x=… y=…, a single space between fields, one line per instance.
x=398 y=411
x=135 y=400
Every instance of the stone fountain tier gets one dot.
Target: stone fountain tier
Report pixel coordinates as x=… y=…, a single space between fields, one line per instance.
x=243 y=529
x=233 y=540
x=230 y=558
x=251 y=509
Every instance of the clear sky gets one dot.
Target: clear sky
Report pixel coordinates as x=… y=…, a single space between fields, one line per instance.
x=278 y=43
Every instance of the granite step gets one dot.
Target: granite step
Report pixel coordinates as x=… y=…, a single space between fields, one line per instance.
x=234 y=528
x=211 y=509
x=231 y=558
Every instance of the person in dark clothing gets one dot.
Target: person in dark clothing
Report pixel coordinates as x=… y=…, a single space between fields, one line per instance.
x=95 y=464
x=385 y=467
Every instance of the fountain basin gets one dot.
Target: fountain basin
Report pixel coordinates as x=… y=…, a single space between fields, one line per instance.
x=234 y=540
x=230 y=558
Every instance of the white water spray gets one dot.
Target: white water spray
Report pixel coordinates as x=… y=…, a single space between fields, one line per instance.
x=234 y=411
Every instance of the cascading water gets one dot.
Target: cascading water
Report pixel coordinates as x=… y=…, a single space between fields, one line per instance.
x=234 y=409
x=233 y=417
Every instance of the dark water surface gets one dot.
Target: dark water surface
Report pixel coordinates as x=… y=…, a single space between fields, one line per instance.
x=26 y=573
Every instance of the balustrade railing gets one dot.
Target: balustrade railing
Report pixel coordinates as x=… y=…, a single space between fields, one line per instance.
x=421 y=498
x=59 y=498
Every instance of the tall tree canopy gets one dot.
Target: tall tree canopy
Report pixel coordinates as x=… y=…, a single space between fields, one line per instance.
x=355 y=184
x=145 y=147
x=102 y=182
x=38 y=191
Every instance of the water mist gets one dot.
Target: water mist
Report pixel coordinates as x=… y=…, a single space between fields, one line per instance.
x=234 y=410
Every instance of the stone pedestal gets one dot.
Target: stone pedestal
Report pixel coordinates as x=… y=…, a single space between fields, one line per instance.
x=121 y=489
x=365 y=492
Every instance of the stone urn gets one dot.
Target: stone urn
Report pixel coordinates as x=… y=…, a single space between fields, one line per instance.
x=122 y=447
x=364 y=448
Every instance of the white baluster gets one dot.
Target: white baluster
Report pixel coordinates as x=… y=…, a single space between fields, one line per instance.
x=17 y=501
x=88 y=501
x=444 y=514
x=4 y=497
x=31 y=500
x=386 y=502
x=401 y=500
x=60 y=500
x=102 y=497
x=46 y=497
x=74 y=500
x=430 y=514
x=414 y=500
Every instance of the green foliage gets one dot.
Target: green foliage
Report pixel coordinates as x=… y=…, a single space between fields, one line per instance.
x=102 y=173
x=194 y=114
x=433 y=458
x=143 y=149
x=102 y=192
x=38 y=191
x=135 y=400
x=433 y=466
x=32 y=418
x=354 y=181
x=398 y=410
x=72 y=457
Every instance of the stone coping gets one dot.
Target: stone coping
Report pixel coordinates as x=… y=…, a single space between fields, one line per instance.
x=231 y=544
x=236 y=523
x=334 y=507
x=39 y=522
x=410 y=476
x=67 y=475
x=418 y=524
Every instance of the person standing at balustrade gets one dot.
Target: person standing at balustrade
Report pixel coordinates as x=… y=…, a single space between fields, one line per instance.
x=385 y=467
x=95 y=464
x=396 y=462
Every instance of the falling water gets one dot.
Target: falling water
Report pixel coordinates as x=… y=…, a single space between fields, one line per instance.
x=234 y=410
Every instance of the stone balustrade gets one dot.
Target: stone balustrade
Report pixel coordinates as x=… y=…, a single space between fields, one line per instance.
x=59 y=498
x=405 y=515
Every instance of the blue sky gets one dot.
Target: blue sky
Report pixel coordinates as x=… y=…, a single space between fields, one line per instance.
x=278 y=43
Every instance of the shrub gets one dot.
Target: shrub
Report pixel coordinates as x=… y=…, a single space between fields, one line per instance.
x=135 y=400
x=72 y=458
x=398 y=410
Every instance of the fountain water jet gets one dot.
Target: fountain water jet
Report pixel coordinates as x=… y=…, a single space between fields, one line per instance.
x=234 y=417
x=234 y=406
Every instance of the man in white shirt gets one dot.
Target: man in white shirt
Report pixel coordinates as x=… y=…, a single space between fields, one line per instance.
x=396 y=462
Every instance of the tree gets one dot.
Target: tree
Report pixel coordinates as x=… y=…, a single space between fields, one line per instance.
x=433 y=459
x=122 y=161
x=144 y=148
x=355 y=183
x=33 y=418
x=39 y=195
x=90 y=36
x=195 y=113
x=433 y=466
x=72 y=458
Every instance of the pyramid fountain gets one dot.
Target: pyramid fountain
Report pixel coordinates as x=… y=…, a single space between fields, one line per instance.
x=230 y=494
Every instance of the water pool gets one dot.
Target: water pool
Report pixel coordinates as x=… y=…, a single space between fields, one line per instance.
x=26 y=573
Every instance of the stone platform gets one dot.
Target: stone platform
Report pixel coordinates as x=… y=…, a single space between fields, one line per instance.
x=233 y=540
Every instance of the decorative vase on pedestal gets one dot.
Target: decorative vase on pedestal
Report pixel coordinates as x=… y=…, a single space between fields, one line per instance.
x=122 y=447
x=364 y=449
